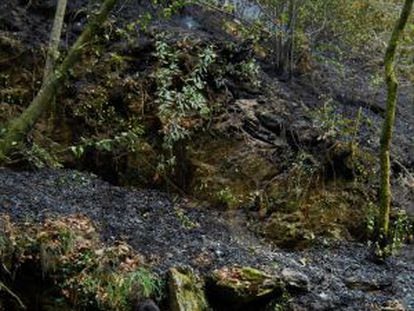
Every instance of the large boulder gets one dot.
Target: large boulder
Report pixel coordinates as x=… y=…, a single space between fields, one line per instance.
x=238 y=288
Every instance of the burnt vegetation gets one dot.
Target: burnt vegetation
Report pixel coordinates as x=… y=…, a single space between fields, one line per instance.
x=145 y=144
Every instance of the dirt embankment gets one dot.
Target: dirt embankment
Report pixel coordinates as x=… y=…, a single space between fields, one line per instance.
x=261 y=137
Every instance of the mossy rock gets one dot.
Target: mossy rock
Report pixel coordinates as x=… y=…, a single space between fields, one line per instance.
x=226 y=172
x=288 y=230
x=186 y=291
x=239 y=287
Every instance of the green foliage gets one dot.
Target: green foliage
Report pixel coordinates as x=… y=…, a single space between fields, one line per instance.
x=40 y=157
x=186 y=221
x=247 y=70
x=128 y=141
x=281 y=304
x=401 y=229
x=10 y=94
x=86 y=273
x=331 y=123
x=149 y=283
x=225 y=196
x=108 y=282
x=355 y=28
x=117 y=291
x=180 y=95
x=334 y=31
x=371 y=216
x=120 y=289
x=184 y=83
x=94 y=107
x=305 y=169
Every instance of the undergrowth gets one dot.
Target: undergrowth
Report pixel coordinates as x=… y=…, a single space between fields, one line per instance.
x=86 y=273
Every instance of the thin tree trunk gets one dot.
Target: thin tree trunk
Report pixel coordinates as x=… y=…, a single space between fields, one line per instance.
x=19 y=127
x=55 y=34
x=51 y=58
x=387 y=129
x=291 y=40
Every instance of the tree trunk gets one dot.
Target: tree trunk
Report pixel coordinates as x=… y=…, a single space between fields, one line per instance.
x=291 y=39
x=53 y=49
x=51 y=58
x=19 y=127
x=387 y=129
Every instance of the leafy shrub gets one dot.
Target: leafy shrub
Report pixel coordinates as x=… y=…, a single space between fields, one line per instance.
x=180 y=95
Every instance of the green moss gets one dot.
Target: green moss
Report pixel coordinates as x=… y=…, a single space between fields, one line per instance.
x=243 y=285
x=186 y=291
x=288 y=230
x=226 y=172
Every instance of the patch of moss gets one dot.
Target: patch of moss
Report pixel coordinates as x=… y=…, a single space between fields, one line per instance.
x=226 y=172
x=243 y=285
x=288 y=230
x=186 y=291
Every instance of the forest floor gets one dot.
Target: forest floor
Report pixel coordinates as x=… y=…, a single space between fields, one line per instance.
x=269 y=127
x=341 y=275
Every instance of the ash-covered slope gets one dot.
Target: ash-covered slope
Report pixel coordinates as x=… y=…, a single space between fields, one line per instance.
x=341 y=277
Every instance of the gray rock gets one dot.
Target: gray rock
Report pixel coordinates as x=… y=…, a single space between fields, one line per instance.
x=356 y=282
x=238 y=287
x=295 y=280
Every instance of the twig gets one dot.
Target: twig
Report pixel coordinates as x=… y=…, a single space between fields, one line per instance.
x=9 y=291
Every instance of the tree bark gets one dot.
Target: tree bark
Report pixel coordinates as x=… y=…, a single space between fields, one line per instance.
x=291 y=41
x=52 y=56
x=19 y=127
x=387 y=129
x=55 y=34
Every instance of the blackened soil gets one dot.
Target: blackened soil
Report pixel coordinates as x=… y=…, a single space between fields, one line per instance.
x=341 y=275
